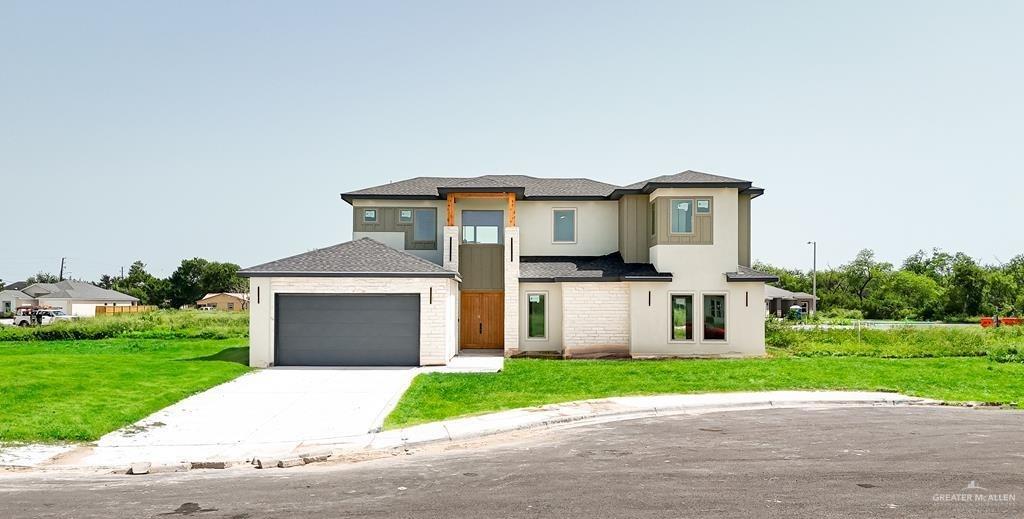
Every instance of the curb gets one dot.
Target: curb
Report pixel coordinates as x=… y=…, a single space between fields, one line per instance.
x=542 y=417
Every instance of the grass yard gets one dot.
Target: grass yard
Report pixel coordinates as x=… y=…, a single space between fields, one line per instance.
x=951 y=364
x=80 y=390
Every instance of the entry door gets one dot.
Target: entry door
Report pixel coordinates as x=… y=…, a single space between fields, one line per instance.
x=482 y=320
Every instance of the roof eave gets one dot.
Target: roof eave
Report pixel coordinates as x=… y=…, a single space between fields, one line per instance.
x=321 y=274
x=732 y=277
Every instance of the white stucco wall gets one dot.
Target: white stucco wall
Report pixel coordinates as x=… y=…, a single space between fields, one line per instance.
x=650 y=325
x=699 y=270
x=597 y=228
x=553 y=307
x=438 y=340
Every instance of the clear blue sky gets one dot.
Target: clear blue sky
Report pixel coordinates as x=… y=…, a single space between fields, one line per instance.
x=226 y=130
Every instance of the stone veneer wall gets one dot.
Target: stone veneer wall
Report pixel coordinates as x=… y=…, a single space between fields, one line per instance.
x=595 y=317
x=511 y=264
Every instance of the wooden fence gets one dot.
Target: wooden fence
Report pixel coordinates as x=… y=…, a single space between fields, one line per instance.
x=111 y=310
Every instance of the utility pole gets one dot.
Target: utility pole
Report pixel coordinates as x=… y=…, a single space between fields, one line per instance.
x=61 y=276
x=814 y=277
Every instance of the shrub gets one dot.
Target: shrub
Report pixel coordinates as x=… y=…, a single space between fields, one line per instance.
x=163 y=324
x=904 y=342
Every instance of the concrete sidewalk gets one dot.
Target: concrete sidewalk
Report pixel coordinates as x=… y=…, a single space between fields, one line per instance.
x=299 y=443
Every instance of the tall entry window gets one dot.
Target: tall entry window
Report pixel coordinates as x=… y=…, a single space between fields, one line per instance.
x=481 y=226
x=536 y=324
x=714 y=318
x=682 y=216
x=682 y=317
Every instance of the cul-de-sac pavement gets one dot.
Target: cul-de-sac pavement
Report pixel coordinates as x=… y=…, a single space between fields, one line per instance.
x=901 y=462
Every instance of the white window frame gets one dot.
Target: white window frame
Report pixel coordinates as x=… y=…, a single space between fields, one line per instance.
x=543 y=293
x=413 y=223
x=412 y=215
x=709 y=200
x=575 y=225
x=725 y=297
x=671 y=325
x=671 y=218
x=376 y=214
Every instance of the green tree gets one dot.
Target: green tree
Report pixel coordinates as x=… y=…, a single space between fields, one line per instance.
x=42 y=277
x=141 y=284
x=965 y=290
x=196 y=277
x=904 y=295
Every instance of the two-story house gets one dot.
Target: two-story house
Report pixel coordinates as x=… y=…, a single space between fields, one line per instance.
x=517 y=264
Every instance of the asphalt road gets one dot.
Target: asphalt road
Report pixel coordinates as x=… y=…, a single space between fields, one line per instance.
x=852 y=462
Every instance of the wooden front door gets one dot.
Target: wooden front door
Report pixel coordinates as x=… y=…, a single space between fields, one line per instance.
x=482 y=319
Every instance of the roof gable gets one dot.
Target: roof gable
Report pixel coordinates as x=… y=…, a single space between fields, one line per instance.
x=364 y=257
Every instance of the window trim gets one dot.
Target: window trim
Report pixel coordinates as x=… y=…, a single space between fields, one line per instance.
x=376 y=215
x=671 y=219
x=725 y=303
x=433 y=227
x=412 y=215
x=544 y=294
x=671 y=324
x=711 y=205
x=575 y=226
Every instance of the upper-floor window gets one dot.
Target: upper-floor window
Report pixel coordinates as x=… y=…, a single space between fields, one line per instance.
x=682 y=215
x=564 y=225
x=424 y=227
x=370 y=215
x=405 y=216
x=481 y=226
x=703 y=206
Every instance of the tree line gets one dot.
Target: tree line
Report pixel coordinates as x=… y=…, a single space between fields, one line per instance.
x=193 y=279
x=932 y=285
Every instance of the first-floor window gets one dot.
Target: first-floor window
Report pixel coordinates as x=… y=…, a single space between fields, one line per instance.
x=231 y=306
x=536 y=324
x=714 y=317
x=682 y=317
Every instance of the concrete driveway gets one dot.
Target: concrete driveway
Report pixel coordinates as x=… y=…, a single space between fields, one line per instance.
x=271 y=412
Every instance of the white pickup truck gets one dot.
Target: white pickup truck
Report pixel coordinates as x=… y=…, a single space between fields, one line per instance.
x=40 y=316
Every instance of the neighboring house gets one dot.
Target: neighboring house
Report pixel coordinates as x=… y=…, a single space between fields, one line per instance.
x=76 y=297
x=777 y=301
x=12 y=299
x=17 y=285
x=230 y=301
x=518 y=264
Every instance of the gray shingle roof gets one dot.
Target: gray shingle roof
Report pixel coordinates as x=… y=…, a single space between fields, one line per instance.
x=70 y=289
x=358 y=258
x=609 y=267
x=688 y=177
x=532 y=187
x=539 y=188
x=748 y=274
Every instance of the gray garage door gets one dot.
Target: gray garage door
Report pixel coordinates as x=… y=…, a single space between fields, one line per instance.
x=347 y=330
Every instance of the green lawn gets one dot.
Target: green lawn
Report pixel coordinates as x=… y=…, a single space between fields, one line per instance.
x=530 y=382
x=80 y=390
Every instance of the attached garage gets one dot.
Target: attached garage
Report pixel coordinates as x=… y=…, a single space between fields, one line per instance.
x=347 y=330
x=359 y=303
